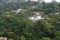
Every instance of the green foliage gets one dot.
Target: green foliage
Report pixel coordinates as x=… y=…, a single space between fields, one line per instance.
x=17 y=26
x=44 y=38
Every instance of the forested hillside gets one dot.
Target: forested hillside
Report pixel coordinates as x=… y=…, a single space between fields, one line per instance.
x=17 y=26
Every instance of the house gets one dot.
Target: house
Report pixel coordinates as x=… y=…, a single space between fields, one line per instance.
x=36 y=16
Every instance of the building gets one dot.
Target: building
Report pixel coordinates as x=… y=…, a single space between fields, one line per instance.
x=36 y=16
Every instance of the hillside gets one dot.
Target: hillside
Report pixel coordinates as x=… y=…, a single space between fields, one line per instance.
x=29 y=20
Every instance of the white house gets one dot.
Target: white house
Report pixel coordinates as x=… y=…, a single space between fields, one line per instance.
x=36 y=16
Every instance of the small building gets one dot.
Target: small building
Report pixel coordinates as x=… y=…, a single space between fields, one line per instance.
x=3 y=38
x=36 y=16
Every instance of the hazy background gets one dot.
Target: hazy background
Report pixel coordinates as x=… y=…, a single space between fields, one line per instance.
x=51 y=0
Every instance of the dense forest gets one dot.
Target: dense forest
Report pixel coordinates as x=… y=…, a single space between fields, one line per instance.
x=17 y=26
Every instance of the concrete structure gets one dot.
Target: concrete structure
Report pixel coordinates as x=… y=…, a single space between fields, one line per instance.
x=36 y=16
